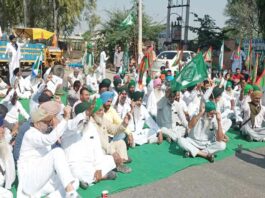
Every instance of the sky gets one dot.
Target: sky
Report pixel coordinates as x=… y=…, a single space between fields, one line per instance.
x=157 y=9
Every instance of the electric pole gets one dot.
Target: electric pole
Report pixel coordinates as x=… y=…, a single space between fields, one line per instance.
x=168 y=20
x=140 y=21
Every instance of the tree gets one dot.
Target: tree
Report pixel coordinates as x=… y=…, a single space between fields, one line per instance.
x=114 y=34
x=261 y=16
x=209 y=34
x=54 y=15
x=243 y=18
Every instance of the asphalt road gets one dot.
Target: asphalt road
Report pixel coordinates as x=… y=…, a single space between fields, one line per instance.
x=242 y=175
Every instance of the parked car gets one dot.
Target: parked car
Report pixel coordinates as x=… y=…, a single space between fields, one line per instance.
x=171 y=57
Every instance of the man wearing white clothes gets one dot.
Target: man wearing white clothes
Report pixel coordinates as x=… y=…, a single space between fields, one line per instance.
x=254 y=117
x=22 y=87
x=13 y=50
x=7 y=165
x=83 y=150
x=102 y=64
x=206 y=135
x=145 y=129
x=3 y=88
x=154 y=97
x=42 y=171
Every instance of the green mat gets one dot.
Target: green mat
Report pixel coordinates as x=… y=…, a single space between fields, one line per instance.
x=153 y=162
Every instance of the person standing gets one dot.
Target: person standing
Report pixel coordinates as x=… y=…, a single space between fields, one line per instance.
x=118 y=59
x=102 y=64
x=13 y=51
x=88 y=59
x=238 y=58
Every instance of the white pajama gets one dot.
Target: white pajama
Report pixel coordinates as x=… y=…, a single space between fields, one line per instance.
x=37 y=164
x=194 y=146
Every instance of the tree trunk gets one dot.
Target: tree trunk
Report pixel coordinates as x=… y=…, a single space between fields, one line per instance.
x=25 y=8
x=55 y=19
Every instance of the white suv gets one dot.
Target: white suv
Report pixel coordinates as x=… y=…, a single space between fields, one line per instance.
x=171 y=57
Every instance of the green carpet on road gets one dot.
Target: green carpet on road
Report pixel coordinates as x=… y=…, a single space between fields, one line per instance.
x=153 y=162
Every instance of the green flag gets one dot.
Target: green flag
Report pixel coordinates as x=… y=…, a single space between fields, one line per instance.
x=194 y=72
x=131 y=18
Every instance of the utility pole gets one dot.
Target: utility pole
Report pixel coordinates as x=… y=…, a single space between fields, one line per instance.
x=140 y=34
x=186 y=28
x=168 y=20
x=25 y=9
x=187 y=24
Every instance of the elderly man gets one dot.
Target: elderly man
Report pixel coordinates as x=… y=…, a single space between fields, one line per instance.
x=206 y=135
x=117 y=149
x=89 y=165
x=42 y=171
x=145 y=129
x=112 y=115
x=7 y=165
x=254 y=117
x=154 y=97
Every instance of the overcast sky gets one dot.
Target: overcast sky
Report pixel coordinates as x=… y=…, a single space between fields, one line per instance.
x=157 y=9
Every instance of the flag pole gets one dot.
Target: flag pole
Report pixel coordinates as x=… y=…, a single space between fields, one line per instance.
x=140 y=34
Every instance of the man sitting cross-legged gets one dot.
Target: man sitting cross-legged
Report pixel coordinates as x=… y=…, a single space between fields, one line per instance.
x=206 y=135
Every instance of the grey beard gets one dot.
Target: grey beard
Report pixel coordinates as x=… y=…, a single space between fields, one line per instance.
x=4 y=150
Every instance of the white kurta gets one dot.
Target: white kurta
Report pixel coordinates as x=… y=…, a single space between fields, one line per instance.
x=202 y=137
x=3 y=87
x=14 y=57
x=143 y=135
x=12 y=115
x=102 y=64
x=42 y=170
x=74 y=78
x=23 y=88
x=257 y=131
x=84 y=152
x=92 y=81
x=154 y=97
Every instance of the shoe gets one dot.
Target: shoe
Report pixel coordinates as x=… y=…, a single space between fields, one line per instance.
x=111 y=175
x=72 y=194
x=187 y=154
x=124 y=169
x=128 y=161
x=83 y=185
x=210 y=158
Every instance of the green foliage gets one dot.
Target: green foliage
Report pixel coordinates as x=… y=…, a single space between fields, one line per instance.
x=209 y=34
x=243 y=18
x=113 y=34
x=261 y=16
x=42 y=13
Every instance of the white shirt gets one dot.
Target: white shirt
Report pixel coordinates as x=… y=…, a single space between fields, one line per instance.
x=13 y=112
x=259 y=119
x=92 y=82
x=36 y=144
x=103 y=59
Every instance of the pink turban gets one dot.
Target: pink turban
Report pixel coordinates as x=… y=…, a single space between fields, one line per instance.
x=157 y=82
